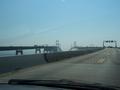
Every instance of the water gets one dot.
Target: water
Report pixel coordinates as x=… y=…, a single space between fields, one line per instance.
x=13 y=53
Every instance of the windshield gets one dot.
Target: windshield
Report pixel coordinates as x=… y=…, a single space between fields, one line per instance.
x=75 y=40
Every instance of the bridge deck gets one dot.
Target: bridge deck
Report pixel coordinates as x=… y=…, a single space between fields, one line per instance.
x=5 y=48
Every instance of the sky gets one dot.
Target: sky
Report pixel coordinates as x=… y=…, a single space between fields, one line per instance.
x=30 y=22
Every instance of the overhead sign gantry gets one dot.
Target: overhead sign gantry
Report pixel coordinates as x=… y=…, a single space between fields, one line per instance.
x=110 y=41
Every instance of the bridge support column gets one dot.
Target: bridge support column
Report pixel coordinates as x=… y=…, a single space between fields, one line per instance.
x=37 y=50
x=19 y=51
x=45 y=50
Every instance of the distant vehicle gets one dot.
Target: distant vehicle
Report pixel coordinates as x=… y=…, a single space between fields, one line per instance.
x=110 y=47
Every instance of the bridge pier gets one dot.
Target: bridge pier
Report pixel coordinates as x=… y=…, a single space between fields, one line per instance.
x=46 y=50
x=37 y=50
x=19 y=51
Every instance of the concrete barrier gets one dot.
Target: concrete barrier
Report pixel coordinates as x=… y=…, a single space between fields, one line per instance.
x=8 y=64
x=52 y=57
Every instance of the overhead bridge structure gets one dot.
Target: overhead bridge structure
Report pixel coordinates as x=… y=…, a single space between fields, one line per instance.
x=76 y=48
x=19 y=49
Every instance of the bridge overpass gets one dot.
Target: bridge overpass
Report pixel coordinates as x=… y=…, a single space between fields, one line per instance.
x=77 y=48
x=19 y=49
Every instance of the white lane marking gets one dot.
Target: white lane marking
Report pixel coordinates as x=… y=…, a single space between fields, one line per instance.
x=100 y=61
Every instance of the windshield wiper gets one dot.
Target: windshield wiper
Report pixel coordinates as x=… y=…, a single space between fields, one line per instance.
x=62 y=84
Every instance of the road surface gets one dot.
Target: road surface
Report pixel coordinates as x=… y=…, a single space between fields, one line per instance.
x=99 y=67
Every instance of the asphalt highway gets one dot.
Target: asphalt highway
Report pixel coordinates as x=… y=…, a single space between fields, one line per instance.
x=99 y=67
